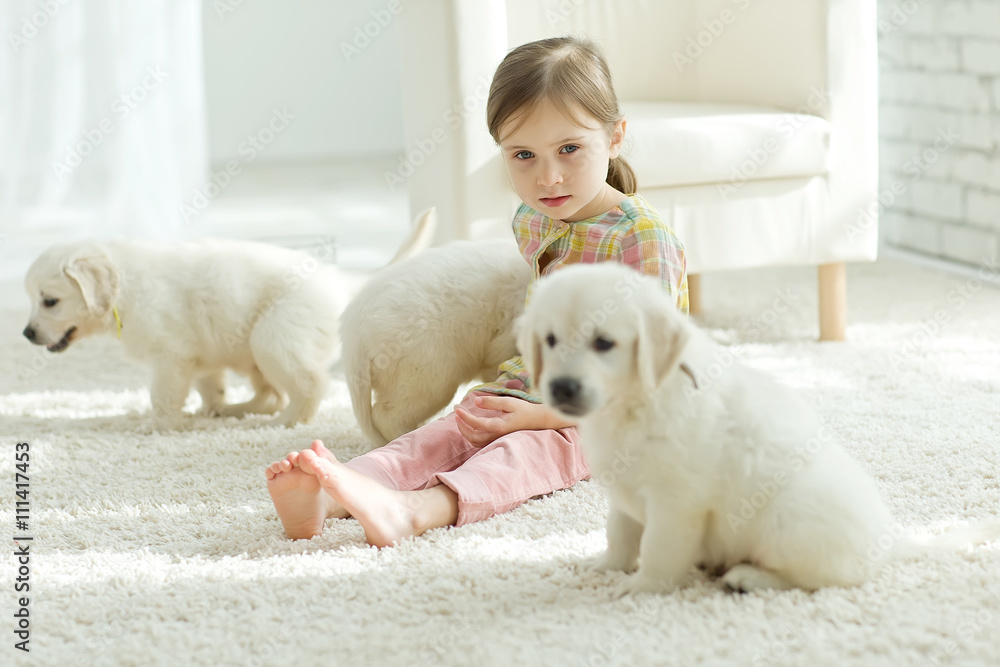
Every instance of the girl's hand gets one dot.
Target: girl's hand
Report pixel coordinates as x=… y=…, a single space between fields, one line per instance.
x=494 y=416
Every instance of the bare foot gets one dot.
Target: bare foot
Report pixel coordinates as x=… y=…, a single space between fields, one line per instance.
x=387 y=516
x=300 y=501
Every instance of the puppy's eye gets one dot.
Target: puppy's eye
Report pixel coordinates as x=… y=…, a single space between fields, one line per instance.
x=603 y=344
x=48 y=303
x=550 y=340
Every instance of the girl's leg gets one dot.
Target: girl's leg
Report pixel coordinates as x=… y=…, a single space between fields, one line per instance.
x=513 y=469
x=494 y=479
x=434 y=477
x=411 y=461
x=386 y=515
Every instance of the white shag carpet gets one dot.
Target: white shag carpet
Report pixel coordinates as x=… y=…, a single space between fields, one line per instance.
x=164 y=549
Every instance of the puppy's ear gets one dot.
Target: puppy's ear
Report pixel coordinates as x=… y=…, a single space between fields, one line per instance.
x=98 y=280
x=663 y=334
x=530 y=347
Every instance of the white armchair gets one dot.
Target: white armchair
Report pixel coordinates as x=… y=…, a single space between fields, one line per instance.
x=753 y=123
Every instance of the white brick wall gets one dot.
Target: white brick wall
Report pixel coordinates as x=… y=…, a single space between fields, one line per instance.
x=939 y=116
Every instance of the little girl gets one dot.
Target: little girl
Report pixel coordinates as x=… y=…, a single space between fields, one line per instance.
x=554 y=114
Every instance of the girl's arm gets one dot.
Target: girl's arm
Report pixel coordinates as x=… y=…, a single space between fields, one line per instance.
x=495 y=416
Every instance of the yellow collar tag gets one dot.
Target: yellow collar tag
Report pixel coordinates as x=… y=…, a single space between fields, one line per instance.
x=118 y=320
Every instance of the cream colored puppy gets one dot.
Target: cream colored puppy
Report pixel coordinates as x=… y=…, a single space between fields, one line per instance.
x=192 y=310
x=705 y=461
x=423 y=327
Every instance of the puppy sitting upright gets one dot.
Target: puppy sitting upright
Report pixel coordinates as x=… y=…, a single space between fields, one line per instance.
x=683 y=441
x=192 y=310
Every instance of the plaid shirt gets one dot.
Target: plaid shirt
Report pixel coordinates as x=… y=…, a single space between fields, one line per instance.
x=632 y=233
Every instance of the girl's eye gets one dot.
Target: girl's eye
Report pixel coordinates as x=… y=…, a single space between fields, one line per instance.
x=603 y=344
x=569 y=149
x=550 y=340
x=523 y=155
x=48 y=303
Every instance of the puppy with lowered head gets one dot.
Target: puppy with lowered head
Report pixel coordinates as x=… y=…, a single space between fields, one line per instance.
x=421 y=328
x=192 y=310
x=685 y=443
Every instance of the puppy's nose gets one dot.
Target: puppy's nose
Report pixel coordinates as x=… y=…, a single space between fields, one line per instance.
x=564 y=390
x=29 y=333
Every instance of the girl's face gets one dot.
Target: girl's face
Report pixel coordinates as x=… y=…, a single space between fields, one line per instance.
x=559 y=167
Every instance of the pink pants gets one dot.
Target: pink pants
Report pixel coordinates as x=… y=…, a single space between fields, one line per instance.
x=488 y=480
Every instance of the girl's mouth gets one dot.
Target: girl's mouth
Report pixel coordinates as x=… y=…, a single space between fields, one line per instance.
x=554 y=202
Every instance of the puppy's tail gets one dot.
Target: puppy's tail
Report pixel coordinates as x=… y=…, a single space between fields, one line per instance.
x=420 y=237
x=955 y=539
x=359 y=382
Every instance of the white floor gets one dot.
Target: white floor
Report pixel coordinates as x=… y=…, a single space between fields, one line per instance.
x=163 y=548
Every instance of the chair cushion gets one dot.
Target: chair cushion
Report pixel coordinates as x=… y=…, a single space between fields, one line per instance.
x=690 y=144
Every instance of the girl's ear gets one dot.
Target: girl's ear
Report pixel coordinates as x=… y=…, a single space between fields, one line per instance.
x=617 y=137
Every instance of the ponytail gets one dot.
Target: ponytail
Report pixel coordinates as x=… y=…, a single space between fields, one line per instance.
x=621 y=177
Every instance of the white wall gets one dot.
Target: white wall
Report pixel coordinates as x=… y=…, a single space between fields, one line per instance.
x=318 y=59
x=939 y=64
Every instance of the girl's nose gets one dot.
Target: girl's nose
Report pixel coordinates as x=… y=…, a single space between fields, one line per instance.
x=549 y=175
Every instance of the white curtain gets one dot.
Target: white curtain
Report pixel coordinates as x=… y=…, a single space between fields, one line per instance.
x=102 y=117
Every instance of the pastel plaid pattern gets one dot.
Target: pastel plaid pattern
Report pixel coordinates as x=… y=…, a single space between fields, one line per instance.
x=633 y=234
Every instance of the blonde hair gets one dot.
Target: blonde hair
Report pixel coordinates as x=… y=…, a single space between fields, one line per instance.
x=569 y=72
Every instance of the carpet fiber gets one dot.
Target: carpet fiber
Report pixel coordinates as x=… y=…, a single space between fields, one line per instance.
x=164 y=549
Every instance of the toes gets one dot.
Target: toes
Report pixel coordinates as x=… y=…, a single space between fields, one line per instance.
x=321 y=450
x=306 y=460
x=277 y=468
x=747 y=579
x=734 y=585
x=293 y=460
x=313 y=464
x=323 y=469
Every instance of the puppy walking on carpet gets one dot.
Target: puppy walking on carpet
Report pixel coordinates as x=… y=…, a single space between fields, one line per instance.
x=423 y=327
x=553 y=112
x=192 y=310
x=608 y=348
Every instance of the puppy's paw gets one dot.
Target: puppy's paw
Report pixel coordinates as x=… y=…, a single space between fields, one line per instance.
x=163 y=422
x=748 y=578
x=155 y=426
x=238 y=410
x=290 y=421
x=213 y=406
x=644 y=583
x=609 y=562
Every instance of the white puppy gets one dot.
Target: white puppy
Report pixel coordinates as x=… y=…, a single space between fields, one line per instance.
x=705 y=461
x=192 y=310
x=421 y=328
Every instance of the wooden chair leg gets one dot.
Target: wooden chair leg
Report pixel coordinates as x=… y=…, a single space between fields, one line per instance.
x=694 y=294
x=832 y=301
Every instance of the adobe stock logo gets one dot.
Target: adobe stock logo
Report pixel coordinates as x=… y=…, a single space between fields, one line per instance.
x=712 y=30
x=364 y=34
x=249 y=149
x=121 y=108
x=31 y=25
